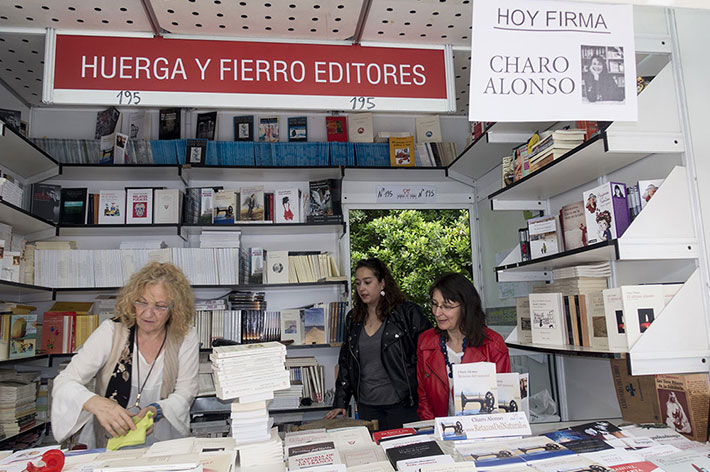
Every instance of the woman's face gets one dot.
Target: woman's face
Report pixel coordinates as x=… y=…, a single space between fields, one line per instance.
x=446 y=312
x=152 y=309
x=367 y=286
x=596 y=66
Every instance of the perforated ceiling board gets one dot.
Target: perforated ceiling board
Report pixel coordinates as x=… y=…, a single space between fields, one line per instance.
x=22 y=64
x=462 y=62
x=320 y=20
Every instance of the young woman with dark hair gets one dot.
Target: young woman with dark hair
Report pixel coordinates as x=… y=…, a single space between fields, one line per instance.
x=460 y=337
x=377 y=363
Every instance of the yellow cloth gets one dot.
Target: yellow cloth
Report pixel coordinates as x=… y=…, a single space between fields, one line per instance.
x=133 y=437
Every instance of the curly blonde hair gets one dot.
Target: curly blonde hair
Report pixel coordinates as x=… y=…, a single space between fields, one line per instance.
x=182 y=300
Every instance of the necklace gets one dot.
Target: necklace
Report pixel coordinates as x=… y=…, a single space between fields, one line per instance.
x=138 y=370
x=444 y=351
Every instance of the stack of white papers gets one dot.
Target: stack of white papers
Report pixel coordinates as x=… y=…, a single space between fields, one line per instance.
x=602 y=269
x=220 y=239
x=266 y=454
x=250 y=422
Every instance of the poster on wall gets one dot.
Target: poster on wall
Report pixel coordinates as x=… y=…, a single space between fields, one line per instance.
x=552 y=60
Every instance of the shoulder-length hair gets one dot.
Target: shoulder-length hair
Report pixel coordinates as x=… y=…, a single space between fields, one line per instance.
x=182 y=300
x=393 y=295
x=456 y=288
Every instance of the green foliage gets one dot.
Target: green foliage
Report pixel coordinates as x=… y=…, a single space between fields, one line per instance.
x=416 y=245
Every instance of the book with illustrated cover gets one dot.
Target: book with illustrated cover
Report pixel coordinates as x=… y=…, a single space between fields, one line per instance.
x=112 y=206
x=224 y=208
x=206 y=126
x=647 y=189
x=277 y=267
x=314 y=326
x=12 y=118
x=46 y=200
x=244 y=128
x=683 y=402
x=641 y=304
x=508 y=385
x=251 y=204
x=544 y=233
x=475 y=388
x=402 y=152
x=287 y=206
x=360 y=129
x=606 y=212
x=139 y=206
x=23 y=335
x=168 y=206
x=291 y=328
x=507 y=171
x=324 y=201
x=12 y=265
x=546 y=315
x=106 y=122
x=169 y=124
x=73 y=207
x=428 y=129
x=336 y=128
x=139 y=125
x=298 y=129
x=269 y=129
x=573 y=225
x=196 y=152
x=119 y=148
x=206 y=205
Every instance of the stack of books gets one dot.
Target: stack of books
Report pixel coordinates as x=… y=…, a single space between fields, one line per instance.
x=601 y=270
x=18 y=406
x=287 y=399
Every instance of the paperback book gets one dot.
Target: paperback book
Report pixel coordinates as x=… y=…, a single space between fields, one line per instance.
x=606 y=212
x=169 y=123
x=112 y=205
x=224 y=205
x=336 y=128
x=647 y=189
x=139 y=206
x=475 y=388
x=546 y=311
x=196 y=152
x=402 y=152
x=277 y=267
x=287 y=206
x=360 y=129
x=73 y=209
x=314 y=326
x=573 y=224
x=428 y=129
x=251 y=203
x=168 y=206
x=23 y=335
x=244 y=128
x=544 y=233
x=269 y=129
x=106 y=122
x=46 y=200
x=508 y=385
x=298 y=129
x=206 y=126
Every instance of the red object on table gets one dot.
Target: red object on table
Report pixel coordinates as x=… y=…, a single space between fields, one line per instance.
x=53 y=462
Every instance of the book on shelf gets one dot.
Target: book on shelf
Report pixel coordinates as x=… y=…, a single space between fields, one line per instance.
x=360 y=129
x=46 y=200
x=224 y=204
x=106 y=122
x=168 y=206
x=169 y=124
x=251 y=203
x=544 y=232
x=139 y=206
x=297 y=129
x=12 y=266
x=524 y=244
x=546 y=315
x=402 y=151
x=269 y=129
x=291 y=326
x=573 y=225
x=139 y=126
x=255 y=270
x=73 y=207
x=111 y=207
x=287 y=206
x=522 y=310
x=324 y=201
x=428 y=129
x=607 y=212
x=119 y=149
x=196 y=153
x=107 y=145
x=206 y=126
x=336 y=129
x=207 y=204
x=23 y=335
x=475 y=388
x=314 y=326
x=244 y=128
x=507 y=171
x=58 y=332
x=277 y=267
x=590 y=128
x=648 y=188
x=521 y=164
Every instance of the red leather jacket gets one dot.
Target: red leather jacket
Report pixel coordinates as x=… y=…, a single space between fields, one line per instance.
x=432 y=375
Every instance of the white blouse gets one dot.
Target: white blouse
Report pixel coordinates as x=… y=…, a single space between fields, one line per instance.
x=70 y=393
x=454 y=358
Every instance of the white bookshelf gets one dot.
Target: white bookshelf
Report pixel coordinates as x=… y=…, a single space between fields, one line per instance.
x=24 y=159
x=23 y=222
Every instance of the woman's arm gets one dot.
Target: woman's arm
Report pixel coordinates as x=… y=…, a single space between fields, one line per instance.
x=343 y=389
x=424 y=409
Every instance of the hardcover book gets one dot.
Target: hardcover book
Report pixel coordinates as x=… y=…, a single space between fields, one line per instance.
x=139 y=206
x=360 y=128
x=112 y=205
x=544 y=233
x=251 y=203
x=169 y=124
x=298 y=129
x=546 y=311
x=244 y=128
x=206 y=126
x=196 y=152
x=475 y=388
x=23 y=335
x=224 y=209
x=402 y=152
x=287 y=206
x=46 y=200
x=606 y=212
x=269 y=129
x=336 y=128
x=73 y=209
x=168 y=206
x=573 y=224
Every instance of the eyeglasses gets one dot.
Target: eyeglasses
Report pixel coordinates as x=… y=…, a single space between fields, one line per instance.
x=141 y=305
x=445 y=308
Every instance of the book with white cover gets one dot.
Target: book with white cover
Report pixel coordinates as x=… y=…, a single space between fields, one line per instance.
x=139 y=206
x=277 y=267
x=508 y=392
x=525 y=394
x=615 y=322
x=327 y=456
x=522 y=310
x=428 y=129
x=168 y=206
x=568 y=463
x=381 y=466
x=351 y=438
x=291 y=326
x=475 y=388
x=360 y=129
x=545 y=236
x=363 y=455
x=287 y=205
x=455 y=467
x=112 y=207
x=641 y=305
x=415 y=465
x=546 y=318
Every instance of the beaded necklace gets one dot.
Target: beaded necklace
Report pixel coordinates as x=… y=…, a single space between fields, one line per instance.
x=444 y=351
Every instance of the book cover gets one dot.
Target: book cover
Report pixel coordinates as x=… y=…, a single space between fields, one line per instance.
x=573 y=224
x=291 y=329
x=538 y=448
x=413 y=451
x=106 y=122
x=196 y=152
x=169 y=123
x=269 y=129
x=73 y=207
x=244 y=128
x=287 y=206
x=546 y=311
x=277 y=267
x=578 y=441
x=46 y=200
x=525 y=394
x=119 y=148
x=508 y=386
x=641 y=304
x=336 y=128
x=168 y=206
x=23 y=335
x=4 y=336
x=206 y=205
x=12 y=265
x=615 y=322
x=319 y=458
x=420 y=464
x=402 y=152
x=544 y=233
x=224 y=207
x=206 y=126
x=428 y=129
x=596 y=317
x=139 y=125
x=139 y=206
x=256 y=265
x=324 y=201
x=606 y=212
x=647 y=189
x=251 y=203
x=522 y=310
x=314 y=326
x=507 y=171
x=683 y=401
x=12 y=118
x=360 y=129
x=298 y=129
x=112 y=205
x=55 y=338
x=107 y=147
x=475 y=388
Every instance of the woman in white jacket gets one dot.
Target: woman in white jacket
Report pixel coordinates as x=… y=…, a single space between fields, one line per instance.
x=146 y=358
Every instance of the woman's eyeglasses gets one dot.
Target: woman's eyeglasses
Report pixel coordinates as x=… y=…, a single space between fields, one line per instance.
x=141 y=305
x=445 y=308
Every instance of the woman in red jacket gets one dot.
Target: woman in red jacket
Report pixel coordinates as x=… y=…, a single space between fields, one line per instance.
x=460 y=336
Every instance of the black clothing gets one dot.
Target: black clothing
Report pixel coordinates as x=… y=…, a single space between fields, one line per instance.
x=388 y=416
x=375 y=386
x=398 y=349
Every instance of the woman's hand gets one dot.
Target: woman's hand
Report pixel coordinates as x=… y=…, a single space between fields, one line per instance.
x=112 y=416
x=335 y=412
x=142 y=413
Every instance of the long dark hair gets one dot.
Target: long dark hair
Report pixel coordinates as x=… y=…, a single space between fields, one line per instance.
x=456 y=288
x=393 y=295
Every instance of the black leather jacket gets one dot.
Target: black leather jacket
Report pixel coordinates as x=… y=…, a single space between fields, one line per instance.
x=398 y=350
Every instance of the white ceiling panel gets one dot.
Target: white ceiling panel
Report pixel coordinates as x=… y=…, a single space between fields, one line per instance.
x=22 y=64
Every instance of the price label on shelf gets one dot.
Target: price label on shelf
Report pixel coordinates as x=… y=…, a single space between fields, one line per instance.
x=406 y=194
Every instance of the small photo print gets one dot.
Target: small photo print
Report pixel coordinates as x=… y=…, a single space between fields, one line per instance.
x=603 y=76
x=645 y=318
x=674 y=410
x=402 y=156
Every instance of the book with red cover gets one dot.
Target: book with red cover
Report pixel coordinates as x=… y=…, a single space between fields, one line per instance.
x=392 y=433
x=336 y=128
x=58 y=332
